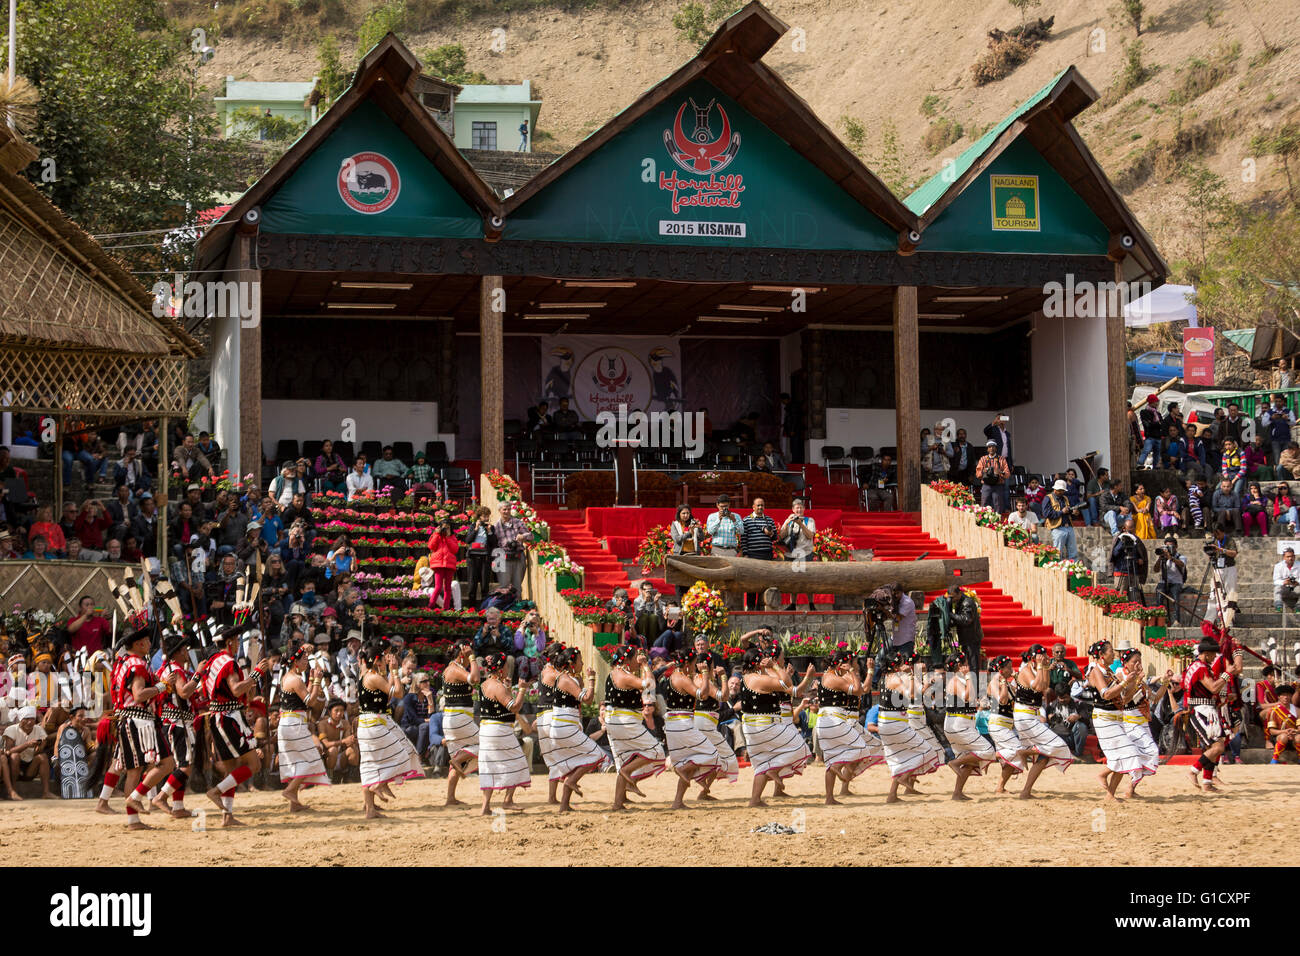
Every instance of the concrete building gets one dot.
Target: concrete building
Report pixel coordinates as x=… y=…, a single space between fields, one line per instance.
x=488 y=115
x=286 y=99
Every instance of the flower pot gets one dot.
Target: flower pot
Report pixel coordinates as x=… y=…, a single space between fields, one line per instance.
x=1154 y=632
x=1076 y=581
x=363 y=551
x=799 y=663
x=603 y=639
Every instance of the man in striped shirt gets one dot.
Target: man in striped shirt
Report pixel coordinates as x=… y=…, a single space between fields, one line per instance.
x=756 y=542
x=726 y=529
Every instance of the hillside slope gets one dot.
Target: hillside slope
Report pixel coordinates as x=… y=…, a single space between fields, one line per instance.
x=877 y=61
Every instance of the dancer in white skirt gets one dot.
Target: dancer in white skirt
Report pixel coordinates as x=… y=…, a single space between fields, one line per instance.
x=1107 y=693
x=916 y=707
x=459 y=729
x=776 y=748
x=573 y=753
x=300 y=759
x=845 y=748
x=972 y=753
x=708 y=696
x=1002 y=722
x=694 y=758
x=908 y=754
x=387 y=754
x=542 y=721
x=1137 y=720
x=636 y=752
x=782 y=671
x=1031 y=681
x=501 y=761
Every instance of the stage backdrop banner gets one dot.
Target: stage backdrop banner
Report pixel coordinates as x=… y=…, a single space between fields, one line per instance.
x=597 y=373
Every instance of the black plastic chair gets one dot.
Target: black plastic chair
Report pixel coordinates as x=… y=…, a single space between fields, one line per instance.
x=404 y=452
x=730 y=455
x=833 y=453
x=456 y=483
x=286 y=449
x=512 y=428
x=436 y=454
x=373 y=450
x=311 y=449
x=345 y=450
x=555 y=450
x=861 y=453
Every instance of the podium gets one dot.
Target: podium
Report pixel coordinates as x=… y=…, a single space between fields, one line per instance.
x=625 y=482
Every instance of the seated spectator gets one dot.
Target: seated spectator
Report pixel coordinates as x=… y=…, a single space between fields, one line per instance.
x=190 y=462
x=650 y=611
x=1255 y=456
x=420 y=475
x=39 y=550
x=1175 y=452
x=1062 y=715
x=188 y=575
x=417 y=707
x=330 y=469
x=530 y=641
x=1195 y=505
x=761 y=465
x=1283 y=734
x=883 y=489
x=1063 y=670
x=339 y=740
x=622 y=605
x=673 y=638
x=130 y=473
x=113 y=551
x=1168 y=511
x=1226 y=506
x=1255 y=509
x=493 y=635
x=358 y=480
x=232 y=525
x=89 y=630
x=1284 y=509
x=144 y=527
x=287 y=485
x=1025 y=518
x=389 y=470
x=1034 y=495
x=539 y=417
x=1286 y=580
x=1113 y=502
x=45 y=526
x=68 y=522
x=1233 y=466
x=1288 y=463
x=1197 y=457
x=23 y=759
x=565 y=419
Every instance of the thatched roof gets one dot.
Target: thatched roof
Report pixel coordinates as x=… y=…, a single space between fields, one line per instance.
x=59 y=289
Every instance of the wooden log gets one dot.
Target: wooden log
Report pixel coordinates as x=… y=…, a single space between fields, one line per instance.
x=823 y=577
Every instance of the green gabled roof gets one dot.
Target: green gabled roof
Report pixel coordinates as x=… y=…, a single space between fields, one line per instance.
x=929 y=192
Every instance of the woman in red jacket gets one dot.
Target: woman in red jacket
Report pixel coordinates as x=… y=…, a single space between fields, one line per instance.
x=443 y=546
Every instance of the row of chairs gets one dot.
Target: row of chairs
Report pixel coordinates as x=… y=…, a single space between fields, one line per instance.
x=854 y=459
x=435 y=452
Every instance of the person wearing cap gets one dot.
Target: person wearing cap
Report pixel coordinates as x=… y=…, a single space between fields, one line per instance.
x=421 y=475
x=348 y=661
x=1058 y=517
x=1152 y=431
x=24 y=760
x=254 y=546
x=1201 y=693
x=287 y=484
x=7 y=552
x=1281 y=728
x=993 y=471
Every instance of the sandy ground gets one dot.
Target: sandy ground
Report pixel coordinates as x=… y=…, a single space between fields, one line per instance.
x=1069 y=824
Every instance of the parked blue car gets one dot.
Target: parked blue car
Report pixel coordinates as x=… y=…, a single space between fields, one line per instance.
x=1157 y=367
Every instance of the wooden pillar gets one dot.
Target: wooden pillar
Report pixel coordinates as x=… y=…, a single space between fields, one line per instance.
x=250 y=366
x=59 y=428
x=1117 y=390
x=491 y=312
x=907 y=398
x=163 y=492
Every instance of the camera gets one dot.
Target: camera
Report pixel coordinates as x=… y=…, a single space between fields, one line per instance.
x=1211 y=549
x=876 y=610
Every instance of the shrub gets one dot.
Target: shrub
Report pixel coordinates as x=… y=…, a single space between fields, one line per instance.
x=942 y=133
x=1001 y=59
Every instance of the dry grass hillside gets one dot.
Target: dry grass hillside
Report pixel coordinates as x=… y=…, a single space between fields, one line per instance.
x=1214 y=82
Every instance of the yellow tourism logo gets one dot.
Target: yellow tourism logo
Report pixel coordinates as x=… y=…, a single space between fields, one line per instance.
x=1015 y=203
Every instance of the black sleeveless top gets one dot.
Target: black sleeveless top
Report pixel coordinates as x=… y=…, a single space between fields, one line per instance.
x=1099 y=702
x=707 y=704
x=756 y=703
x=545 y=696
x=1023 y=695
x=836 y=698
x=457 y=694
x=674 y=700
x=624 y=699
x=893 y=700
x=291 y=701
x=1007 y=709
x=372 y=701
x=962 y=707
x=562 y=698
x=489 y=709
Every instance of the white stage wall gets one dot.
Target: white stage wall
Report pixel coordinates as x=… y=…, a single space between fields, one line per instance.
x=384 y=422
x=1065 y=420
x=225 y=386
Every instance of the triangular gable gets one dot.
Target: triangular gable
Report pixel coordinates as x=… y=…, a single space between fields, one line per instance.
x=395 y=189
x=1033 y=154
x=746 y=188
x=770 y=174
x=381 y=91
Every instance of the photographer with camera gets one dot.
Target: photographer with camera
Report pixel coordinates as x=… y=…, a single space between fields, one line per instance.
x=1058 y=517
x=1173 y=575
x=1128 y=558
x=1223 y=557
x=495 y=637
x=1286 y=581
x=993 y=472
x=512 y=535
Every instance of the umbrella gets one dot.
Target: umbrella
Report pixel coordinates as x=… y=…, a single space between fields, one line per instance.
x=1168 y=303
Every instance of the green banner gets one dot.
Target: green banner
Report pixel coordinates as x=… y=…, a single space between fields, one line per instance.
x=1020 y=204
x=368 y=179
x=699 y=170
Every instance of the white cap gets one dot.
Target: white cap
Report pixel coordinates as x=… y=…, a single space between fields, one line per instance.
x=27 y=713
x=1060 y=485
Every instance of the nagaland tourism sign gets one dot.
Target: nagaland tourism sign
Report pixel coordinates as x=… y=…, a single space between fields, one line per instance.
x=1015 y=203
x=369 y=182
x=699 y=182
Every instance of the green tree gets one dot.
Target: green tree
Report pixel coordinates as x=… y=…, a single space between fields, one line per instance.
x=695 y=23
x=379 y=22
x=254 y=124
x=133 y=137
x=1284 y=143
x=1256 y=269
x=1022 y=6
x=889 y=163
x=1130 y=11
x=1208 y=206
x=334 y=79
x=451 y=62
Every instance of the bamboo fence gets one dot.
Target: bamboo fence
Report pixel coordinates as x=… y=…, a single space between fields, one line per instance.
x=1042 y=590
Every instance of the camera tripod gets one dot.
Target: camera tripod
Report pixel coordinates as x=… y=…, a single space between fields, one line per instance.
x=1220 y=593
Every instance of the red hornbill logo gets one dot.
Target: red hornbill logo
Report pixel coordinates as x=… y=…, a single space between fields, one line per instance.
x=701 y=152
x=611 y=373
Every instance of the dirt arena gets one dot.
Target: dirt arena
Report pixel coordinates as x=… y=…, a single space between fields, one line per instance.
x=1064 y=826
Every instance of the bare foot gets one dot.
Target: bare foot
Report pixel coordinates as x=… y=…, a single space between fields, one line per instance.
x=297 y=807
x=160 y=803
x=960 y=796
x=1211 y=788
x=1026 y=795
x=1001 y=792
x=455 y=803
x=182 y=814
x=633 y=788
x=893 y=798
x=138 y=824
x=705 y=795
x=574 y=787
x=13 y=795
x=228 y=820
x=832 y=802
x=215 y=796
x=677 y=806
x=373 y=814
x=1195 y=778
x=47 y=795
x=757 y=803
x=618 y=807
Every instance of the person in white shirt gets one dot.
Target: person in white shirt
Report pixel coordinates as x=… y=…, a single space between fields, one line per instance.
x=798 y=533
x=286 y=485
x=1284 y=571
x=358 y=479
x=1025 y=518
x=22 y=753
